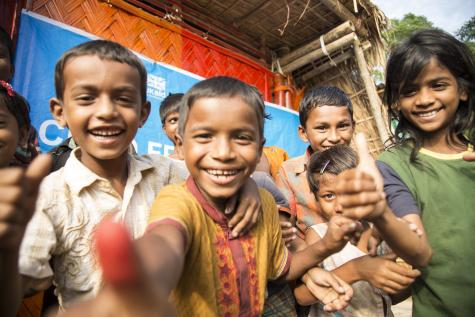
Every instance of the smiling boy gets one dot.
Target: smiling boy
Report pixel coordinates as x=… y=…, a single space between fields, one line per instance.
x=326 y=119
x=100 y=88
x=187 y=250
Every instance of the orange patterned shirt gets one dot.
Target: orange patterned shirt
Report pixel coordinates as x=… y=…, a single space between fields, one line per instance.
x=221 y=276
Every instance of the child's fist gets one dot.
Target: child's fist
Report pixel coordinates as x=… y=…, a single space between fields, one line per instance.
x=340 y=230
x=18 y=193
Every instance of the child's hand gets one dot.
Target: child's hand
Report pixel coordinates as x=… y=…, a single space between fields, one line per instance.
x=384 y=273
x=18 y=193
x=334 y=293
x=248 y=209
x=360 y=190
x=127 y=292
x=289 y=232
x=340 y=230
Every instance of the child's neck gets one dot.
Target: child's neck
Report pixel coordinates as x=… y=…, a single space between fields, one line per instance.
x=441 y=143
x=114 y=170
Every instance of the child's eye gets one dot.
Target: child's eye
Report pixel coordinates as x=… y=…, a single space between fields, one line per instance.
x=125 y=100
x=329 y=196
x=202 y=137
x=244 y=139
x=344 y=125
x=320 y=128
x=439 y=86
x=85 y=99
x=173 y=121
x=408 y=92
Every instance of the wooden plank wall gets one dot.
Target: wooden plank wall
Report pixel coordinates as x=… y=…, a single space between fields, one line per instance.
x=160 y=40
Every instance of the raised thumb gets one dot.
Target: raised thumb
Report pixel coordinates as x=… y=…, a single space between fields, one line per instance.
x=116 y=254
x=366 y=162
x=37 y=170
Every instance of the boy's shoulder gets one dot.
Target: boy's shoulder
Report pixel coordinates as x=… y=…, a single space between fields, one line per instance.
x=162 y=163
x=296 y=164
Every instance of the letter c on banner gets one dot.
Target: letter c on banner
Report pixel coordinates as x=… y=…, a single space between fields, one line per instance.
x=42 y=133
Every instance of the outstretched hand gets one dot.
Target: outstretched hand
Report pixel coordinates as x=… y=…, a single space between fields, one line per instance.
x=360 y=190
x=18 y=193
x=127 y=292
x=331 y=291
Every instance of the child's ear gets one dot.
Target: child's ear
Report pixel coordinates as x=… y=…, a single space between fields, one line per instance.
x=144 y=112
x=56 y=109
x=303 y=134
x=463 y=94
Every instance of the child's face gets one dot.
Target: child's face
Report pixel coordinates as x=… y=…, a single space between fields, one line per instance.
x=6 y=68
x=431 y=102
x=102 y=107
x=9 y=135
x=171 y=125
x=326 y=195
x=327 y=126
x=221 y=146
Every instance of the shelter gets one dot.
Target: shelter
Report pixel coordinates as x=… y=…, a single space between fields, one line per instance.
x=280 y=46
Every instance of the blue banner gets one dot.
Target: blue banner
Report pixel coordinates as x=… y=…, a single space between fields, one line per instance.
x=41 y=43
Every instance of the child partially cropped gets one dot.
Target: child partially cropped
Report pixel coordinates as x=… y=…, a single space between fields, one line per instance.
x=187 y=251
x=100 y=88
x=430 y=91
x=372 y=278
x=169 y=114
x=326 y=119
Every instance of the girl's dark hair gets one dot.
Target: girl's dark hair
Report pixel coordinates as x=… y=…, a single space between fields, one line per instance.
x=17 y=106
x=222 y=86
x=6 y=41
x=406 y=62
x=335 y=160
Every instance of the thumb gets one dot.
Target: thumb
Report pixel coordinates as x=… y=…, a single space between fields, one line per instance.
x=36 y=171
x=116 y=254
x=366 y=161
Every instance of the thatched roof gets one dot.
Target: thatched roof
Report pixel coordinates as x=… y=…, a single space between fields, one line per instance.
x=266 y=29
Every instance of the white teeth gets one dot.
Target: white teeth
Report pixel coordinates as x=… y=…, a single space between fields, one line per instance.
x=222 y=172
x=427 y=114
x=106 y=132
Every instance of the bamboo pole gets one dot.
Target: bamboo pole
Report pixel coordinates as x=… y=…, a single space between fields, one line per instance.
x=343 y=13
x=331 y=47
x=373 y=97
x=337 y=60
x=330 y=36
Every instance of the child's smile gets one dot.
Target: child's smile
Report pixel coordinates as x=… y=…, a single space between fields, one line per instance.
x=221 y=145
x=102 y=107
x=431 y=101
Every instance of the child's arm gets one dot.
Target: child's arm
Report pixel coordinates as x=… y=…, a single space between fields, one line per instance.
x=360 y=194
x=381 y=272
x=340 y=230
x=18 y=193
x=138 y=276
x=321 y=285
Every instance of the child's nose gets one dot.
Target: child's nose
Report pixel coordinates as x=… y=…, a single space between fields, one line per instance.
x=334 y=136
x=424 y=97
x=223 y=149
x=106 y=108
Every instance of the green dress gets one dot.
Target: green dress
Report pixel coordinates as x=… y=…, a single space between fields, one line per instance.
x=443 y=186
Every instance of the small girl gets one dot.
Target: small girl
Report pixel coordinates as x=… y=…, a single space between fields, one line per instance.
x=430 y=92
x=14 y=124
x=371 y=277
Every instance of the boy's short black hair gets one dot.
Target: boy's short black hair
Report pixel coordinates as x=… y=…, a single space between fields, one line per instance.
x=334 y=160
x=6 y=41
x=17 y=106
x=170 y=104
x=222 y=86
x=323 y=96
x=103 y=49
